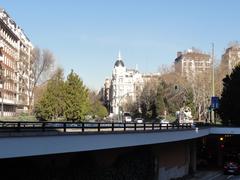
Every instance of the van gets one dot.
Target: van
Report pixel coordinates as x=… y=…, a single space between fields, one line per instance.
x=127 y=117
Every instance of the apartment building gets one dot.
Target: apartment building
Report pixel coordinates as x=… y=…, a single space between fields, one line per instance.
x=15 y=56
x=231 y=57
x=191 y=62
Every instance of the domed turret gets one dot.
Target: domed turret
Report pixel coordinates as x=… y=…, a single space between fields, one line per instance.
x=119 y=61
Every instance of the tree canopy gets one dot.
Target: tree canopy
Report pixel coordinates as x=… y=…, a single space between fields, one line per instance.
x=76 y=98
x=50 y=105
x=229 y=109
x=65 y=99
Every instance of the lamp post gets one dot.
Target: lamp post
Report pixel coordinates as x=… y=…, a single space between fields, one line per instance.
x=2 y=80
x=213 y=84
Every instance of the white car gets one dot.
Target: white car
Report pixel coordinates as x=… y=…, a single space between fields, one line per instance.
x=164 y=122
x=138 y=120
x=127 y=118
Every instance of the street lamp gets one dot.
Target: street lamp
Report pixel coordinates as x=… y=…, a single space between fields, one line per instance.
x=2 y=80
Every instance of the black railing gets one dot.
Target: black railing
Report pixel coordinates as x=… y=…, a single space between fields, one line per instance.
x=11 y=126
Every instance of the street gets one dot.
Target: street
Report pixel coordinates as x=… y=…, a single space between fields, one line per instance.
x=213 y=175
x=223 y=177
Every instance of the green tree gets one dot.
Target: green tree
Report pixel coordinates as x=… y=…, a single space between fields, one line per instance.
x=51 y=104
x=97 y=109
x=76 y=98
x=229 y=109
x=160 y=104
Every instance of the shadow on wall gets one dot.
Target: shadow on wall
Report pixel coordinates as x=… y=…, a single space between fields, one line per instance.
x=133 y=164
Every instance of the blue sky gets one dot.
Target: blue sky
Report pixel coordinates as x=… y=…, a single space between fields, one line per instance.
x=86 y=35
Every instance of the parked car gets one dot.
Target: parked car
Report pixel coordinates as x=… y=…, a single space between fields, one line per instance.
x=231 y=167
x=138 y=120
x=164 y=121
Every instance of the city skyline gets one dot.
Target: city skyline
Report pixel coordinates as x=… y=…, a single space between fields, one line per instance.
x=86 y=36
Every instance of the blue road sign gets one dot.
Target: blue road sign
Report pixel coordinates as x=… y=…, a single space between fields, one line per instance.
x=215 y=102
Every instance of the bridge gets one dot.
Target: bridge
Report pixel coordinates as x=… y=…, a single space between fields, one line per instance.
x=29 y=139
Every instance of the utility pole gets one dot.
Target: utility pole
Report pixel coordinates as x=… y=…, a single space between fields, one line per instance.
x=213 y=84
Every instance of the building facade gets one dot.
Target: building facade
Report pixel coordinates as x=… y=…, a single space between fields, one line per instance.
x=15 y=57
x=231 y=58
x=191 y=62
x=125 y=84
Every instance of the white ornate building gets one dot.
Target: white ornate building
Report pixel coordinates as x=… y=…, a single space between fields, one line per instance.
x=125 y=84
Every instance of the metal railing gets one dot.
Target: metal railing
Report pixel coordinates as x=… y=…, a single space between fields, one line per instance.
x=17 y=126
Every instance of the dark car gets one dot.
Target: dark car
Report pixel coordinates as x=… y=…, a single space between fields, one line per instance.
x=231 y=167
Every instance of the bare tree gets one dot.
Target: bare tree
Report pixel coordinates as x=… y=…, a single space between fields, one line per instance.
x=38 y=70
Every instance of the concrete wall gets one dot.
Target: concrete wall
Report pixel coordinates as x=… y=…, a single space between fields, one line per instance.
x=174 y=160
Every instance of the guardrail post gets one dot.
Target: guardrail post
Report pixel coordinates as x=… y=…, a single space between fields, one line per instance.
x=152 y=126
x=124 y=126
x=112 y=127
x=18 y=126
x=98 y=127
x=167 y=125
x=43 y=126
x=82 y=127
x=172 y=126
x=135 y=126
x=144 y=126
x=64 y=127
x=160 y=126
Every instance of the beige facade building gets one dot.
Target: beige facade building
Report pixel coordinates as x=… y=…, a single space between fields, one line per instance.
x=192 y=62
x=15 y=55
x=231 y=58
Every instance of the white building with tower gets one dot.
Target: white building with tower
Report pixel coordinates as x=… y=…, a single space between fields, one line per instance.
x=125 y=85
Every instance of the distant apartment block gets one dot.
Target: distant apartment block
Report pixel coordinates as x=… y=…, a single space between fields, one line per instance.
x=15 y=55
x=231 y=57
x=191 y=62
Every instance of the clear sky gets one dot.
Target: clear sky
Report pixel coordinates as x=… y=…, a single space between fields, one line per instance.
x=86 y=35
